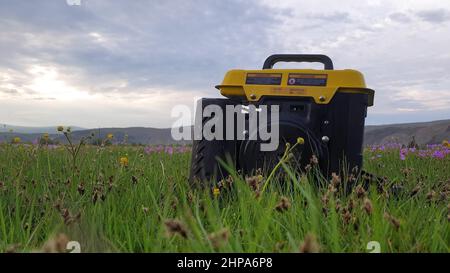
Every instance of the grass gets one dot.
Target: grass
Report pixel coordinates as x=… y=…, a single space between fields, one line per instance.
x=147 y=206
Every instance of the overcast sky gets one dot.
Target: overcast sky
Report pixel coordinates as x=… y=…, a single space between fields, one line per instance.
x=125 y=63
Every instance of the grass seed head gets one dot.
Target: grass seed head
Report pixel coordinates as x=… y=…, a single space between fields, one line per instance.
x=431 y=195
x=394 y=221
x=368 y=208
x=335 y=180
x=360 y=192
x=254 y=182
x=279 y=246
x=351 y=180
x=346 y=216
x=308 y=168
x=174 y=227
x=283 y=205
x=325 y=200
x=229 y=180
x=219 y=238
x=331 y=189
x=310 y=244
x=56 y=244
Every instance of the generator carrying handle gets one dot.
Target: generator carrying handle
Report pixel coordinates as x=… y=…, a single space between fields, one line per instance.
x=311 y=58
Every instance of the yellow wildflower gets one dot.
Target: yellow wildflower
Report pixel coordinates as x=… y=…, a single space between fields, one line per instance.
x=45 y=136
x=300 y=140
x=445 y=143
x=124 y=161
x=216 y=191
x=110 y=136
x=16 y=140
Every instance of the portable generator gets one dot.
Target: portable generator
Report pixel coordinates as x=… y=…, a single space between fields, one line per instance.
x=326 y=109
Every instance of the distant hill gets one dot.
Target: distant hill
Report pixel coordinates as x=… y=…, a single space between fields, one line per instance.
x=5 y=128
x=424 y=132
x=138 y=135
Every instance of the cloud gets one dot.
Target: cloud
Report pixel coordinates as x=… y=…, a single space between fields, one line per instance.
x=436 y=16
x=400 y=17
x=110 y=62
x=146 y=43
x=41 y=98
x=9 y=91
x=336 y=17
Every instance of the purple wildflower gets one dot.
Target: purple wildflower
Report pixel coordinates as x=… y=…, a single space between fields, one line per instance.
x=148 y=150
x=168 y=150
x=438 y=154
x=422 y=153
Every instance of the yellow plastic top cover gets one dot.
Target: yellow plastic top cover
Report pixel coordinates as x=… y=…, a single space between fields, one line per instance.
x=321 y=85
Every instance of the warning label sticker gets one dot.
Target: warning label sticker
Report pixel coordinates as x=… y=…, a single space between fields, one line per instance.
x=263 y=78
x=307 y=79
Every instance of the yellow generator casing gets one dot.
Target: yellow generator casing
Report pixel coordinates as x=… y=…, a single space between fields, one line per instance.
x=321 y=85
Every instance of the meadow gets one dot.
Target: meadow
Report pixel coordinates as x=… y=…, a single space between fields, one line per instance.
x=123 y=198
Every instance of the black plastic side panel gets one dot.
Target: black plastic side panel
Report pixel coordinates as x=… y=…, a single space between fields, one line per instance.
x=204 y=164
x=346 y=115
